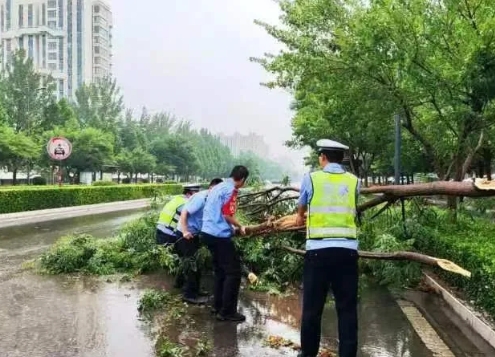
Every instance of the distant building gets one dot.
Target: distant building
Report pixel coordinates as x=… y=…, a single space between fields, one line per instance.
x=238 y=143
x=69 y=39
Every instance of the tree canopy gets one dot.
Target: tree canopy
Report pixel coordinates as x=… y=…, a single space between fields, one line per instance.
x=353 y=65
x=105 y=136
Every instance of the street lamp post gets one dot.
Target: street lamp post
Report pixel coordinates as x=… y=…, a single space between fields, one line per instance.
x=397 y=150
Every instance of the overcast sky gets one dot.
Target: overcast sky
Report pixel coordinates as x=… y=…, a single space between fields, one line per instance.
x=191 y=58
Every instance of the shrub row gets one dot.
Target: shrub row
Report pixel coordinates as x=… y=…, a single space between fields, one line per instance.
x=467 y=242
x=31 y=199
x=470 y=244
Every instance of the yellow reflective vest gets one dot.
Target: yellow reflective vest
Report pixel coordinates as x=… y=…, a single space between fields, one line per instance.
x=169 y=216
x=332 y=207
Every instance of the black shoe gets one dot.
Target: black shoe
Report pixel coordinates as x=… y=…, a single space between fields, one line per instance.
x=237 y=317
x=195 y=301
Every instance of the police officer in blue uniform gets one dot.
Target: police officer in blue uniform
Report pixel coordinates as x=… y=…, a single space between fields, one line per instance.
x=188 y=244
x=168 y=220
x=328 y=198
x=170 y=214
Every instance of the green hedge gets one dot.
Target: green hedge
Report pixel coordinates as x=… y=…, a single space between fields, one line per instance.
x=470 y=243
x=36 y=198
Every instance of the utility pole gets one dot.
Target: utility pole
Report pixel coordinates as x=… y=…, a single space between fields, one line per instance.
x=397 y=150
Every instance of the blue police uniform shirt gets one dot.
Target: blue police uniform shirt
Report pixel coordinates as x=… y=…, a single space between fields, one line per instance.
x=214 y=222
x=194 y=208
x=305 y=195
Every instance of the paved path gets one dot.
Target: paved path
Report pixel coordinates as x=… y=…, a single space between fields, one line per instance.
x=30 y=217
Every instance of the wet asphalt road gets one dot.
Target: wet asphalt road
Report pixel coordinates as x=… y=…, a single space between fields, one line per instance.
x=46 y=316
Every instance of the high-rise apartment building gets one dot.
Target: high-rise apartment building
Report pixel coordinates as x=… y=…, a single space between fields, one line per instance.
x=71 y=40
x=238 y=143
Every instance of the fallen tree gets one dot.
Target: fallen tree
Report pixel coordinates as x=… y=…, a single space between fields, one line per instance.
x=260 y=202
x=257 y=202
x=288 y=224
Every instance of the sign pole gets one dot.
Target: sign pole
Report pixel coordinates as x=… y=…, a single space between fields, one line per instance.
x=59 y=149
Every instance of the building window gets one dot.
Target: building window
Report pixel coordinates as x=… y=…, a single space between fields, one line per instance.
x=52 y=66
x=43 y=15
x=97 y=49
x=61 y=13
x=9 y=13
x=43 y=46
x=21 y=42
x=61 y=54
x=52 y=56
x=2 y=15
x=61 y=87
x=96 y=29
x=52 y=24
x=52 y=14
x=97 y=8
x=69 y=47
x=38 y=57
x=52 y=4
x=30 y=15
x=52 y=45
x=79 y=26
x=8 y=45
x=21 y=16
x=31 y=46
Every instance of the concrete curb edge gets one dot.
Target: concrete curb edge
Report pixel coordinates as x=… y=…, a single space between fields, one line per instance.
x=478 y=325
x=33 y=217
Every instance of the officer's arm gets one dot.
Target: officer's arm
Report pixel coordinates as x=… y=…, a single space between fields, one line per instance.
x=183 y=221
x=233 y=221
x=303 y=197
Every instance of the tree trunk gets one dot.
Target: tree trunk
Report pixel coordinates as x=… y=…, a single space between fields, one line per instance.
x=14 y=176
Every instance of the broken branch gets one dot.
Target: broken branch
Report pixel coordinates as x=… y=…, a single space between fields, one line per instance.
x=411 y=256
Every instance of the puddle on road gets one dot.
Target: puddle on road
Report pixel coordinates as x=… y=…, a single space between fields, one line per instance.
x=62 y=316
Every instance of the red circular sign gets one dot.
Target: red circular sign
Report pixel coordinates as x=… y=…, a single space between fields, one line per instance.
x=59 y=148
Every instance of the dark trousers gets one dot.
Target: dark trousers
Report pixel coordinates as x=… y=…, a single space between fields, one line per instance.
x=191 y=274
x=324 y=268
x=167 y=239
x=227 y=267
x=164 y=238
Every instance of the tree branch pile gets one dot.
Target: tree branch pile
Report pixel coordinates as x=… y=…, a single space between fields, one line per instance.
x=288 y=224
x=256 y=203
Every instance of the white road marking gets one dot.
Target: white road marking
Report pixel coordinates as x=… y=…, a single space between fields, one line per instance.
x=425 y=331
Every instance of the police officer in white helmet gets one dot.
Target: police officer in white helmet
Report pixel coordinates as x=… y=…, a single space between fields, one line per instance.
x=328 y=199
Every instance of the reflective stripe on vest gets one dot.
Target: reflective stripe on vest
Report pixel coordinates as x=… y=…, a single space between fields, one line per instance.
x=169 y=216
x=332 y=208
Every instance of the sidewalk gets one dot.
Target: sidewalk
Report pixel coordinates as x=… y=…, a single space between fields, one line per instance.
x=30 y=217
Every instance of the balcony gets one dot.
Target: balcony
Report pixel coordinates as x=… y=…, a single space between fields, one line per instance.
x=35 y=30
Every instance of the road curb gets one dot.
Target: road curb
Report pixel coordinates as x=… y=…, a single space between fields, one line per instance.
x=32 y=217
x=464 y=312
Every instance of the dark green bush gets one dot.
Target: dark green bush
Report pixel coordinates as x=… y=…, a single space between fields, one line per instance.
x=103 y=183
x=126 y=180
x=30 y=199
x=39 y=181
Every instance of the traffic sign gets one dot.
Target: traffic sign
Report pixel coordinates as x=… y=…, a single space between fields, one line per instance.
x=59 y=148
